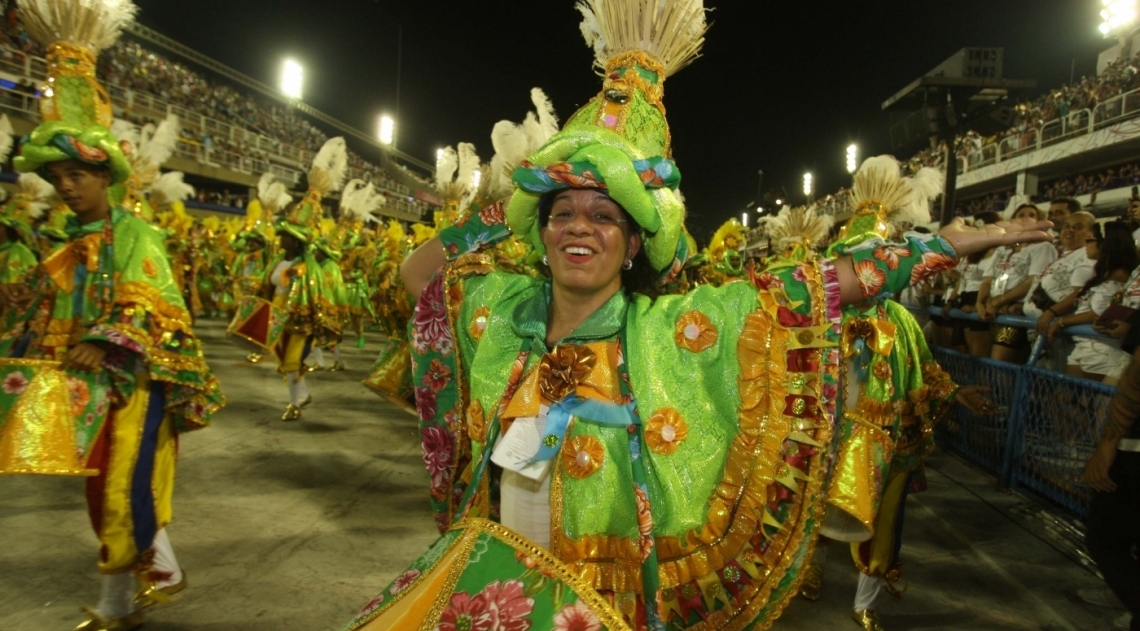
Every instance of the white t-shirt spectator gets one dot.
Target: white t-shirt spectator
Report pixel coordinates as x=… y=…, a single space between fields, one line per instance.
x=1061 y=278
x=972 y=274
x=1131 y=295
x=1011 y=268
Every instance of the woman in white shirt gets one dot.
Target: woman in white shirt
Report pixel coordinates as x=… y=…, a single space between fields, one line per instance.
x=1007 y=281
x=972 y=271
x=1116 y=258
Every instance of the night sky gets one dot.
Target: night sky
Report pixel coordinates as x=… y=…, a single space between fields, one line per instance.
x=782 y=86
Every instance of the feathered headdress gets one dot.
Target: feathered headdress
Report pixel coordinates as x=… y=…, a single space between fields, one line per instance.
x=329 y=167
x=27 y=206
x=359 y=201
x=168 y=189
x=797 y=226
x=273 y=195
x=76 y=110
x=881 y=198
x=620 y=140
x=513 y=142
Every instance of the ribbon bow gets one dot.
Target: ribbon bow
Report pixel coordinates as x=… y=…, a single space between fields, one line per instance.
x=61 y=265
x=863 y=336
x=563 y=369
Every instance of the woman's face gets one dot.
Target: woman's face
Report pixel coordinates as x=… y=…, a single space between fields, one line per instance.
x=588 y=238
x=1074 y=233
x=1026 y=212
x=1134 y=210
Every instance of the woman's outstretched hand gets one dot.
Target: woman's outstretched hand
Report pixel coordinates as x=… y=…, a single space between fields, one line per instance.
x=967 y=240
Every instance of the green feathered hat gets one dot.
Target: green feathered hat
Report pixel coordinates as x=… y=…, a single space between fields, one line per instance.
x=326 y=175
x=75 y=108
x=620 y=140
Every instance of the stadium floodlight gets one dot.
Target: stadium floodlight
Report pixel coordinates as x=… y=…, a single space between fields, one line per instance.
x=852 y=158
x=476 y=177
x=387 y=129
x=744 y=219
x=780 y=203
x=292 y=76
x=807 y=184
x=1118 y=16
x=438 y=155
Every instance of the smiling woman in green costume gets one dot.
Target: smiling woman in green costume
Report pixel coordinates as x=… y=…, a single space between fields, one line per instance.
x=606 y=459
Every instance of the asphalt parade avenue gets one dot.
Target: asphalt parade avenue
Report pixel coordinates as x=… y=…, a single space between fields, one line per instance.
x=298 y=525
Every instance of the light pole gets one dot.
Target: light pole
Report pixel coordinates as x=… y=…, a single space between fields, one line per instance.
x=744 y=218
x=387 y=131
x=808 y=187
x=852 y=158
x=292 y=79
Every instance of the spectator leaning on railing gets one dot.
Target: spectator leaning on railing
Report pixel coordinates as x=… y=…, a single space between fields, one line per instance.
x=972 y=271
x=1061 y=281
x=1116 y=258
x=1006 y=282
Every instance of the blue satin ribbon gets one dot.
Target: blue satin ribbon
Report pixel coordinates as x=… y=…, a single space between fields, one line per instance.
x=600 y=412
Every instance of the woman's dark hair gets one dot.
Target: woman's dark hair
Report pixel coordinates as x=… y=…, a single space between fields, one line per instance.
x=640 y=279
x=987 y=216
x=1117 y=252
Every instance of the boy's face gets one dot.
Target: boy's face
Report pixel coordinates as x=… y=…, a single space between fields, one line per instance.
x=81 y=186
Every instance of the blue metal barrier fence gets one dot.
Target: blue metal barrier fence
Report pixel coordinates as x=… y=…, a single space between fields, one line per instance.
x=1047 y=426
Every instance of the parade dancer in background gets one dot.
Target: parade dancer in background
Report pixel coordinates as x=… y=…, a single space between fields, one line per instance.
x=106 y=307
x=296 y=279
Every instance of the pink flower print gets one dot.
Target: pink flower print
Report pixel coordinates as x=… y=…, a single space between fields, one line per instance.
x=465 y=613
x=372 y=605
x=430 y=321
x=425 y=403
x=576 y=617
x=438 y=449
x=15 y=383
x=403 y=581
x=508 y=605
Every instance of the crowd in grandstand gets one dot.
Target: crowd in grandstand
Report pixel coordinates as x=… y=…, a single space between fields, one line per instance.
x=129 y=67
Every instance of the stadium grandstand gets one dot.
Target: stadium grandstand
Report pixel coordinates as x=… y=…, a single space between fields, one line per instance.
x=233 y=128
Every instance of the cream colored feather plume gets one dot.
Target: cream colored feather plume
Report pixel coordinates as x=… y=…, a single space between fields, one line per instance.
x=156 y=145
x=126 y=132
x=169 y=188
x=7 y=140
x=547 y=118
x=37 y=191
x=468 y=164
x=797 y=225
x=359 y=201
x=273 y=195
x=329 y=167
x=445 y=166
x=673 y=31
x=92 y=24
x=879 y=180
x=926 y=186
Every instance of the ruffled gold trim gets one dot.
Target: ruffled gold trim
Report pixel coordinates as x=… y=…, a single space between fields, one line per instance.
x=582 y=456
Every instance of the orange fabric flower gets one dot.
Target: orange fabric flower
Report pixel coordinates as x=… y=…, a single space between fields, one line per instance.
x=665 y=431
x=694 y=331
x=479 y=321
x=563 y=369
x=476 y=422
x=582 y=456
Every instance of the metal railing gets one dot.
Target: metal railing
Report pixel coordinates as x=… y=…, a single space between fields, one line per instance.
x=289 y=160
x=1072 y=125
x=1047 y=426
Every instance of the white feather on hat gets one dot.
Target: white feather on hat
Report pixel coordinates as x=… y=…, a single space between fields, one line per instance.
x=169 y=188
